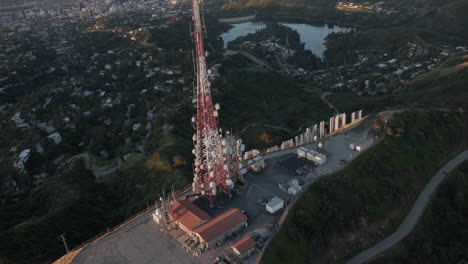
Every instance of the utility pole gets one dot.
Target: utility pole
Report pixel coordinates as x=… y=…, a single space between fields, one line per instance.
x=64 y=241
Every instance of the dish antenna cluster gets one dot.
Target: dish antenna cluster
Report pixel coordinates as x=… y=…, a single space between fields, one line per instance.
x=218 y=157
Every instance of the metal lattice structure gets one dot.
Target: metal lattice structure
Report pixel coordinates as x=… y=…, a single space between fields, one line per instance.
x=217 y=159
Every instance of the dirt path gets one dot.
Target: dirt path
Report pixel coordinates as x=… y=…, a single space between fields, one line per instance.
x=323 y=97
x=251 y=57
x=98 y=171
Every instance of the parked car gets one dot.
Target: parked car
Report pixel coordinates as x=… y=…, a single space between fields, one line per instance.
x=262 y=202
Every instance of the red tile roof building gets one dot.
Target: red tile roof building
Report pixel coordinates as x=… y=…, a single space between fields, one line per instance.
x=220 y=227
x=187 y=215
x=243 y=246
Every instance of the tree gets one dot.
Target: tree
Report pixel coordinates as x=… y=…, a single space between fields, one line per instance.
x=178 y=160
x=156 y=162
x=265 y=139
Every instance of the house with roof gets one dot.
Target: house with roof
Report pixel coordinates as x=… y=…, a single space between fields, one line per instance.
x=243 y=247
x=187 y=216
x=219 y=228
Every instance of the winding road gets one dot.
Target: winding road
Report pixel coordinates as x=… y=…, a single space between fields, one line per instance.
x=409 y=223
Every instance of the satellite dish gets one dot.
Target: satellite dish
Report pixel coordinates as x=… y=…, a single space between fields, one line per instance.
x=228 y=150
x=228 y=182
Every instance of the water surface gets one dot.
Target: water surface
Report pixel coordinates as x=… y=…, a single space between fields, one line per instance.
x=312 y=36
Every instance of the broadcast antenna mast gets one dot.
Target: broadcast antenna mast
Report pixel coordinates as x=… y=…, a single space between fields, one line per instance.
x=214 y=171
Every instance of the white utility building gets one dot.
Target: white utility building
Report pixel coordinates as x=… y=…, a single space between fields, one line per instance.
x=274 y=205
x=302 y=152
x=364 y=144
x=316 y=157
x=294 y=189
x=320 y=159
x=257 y=163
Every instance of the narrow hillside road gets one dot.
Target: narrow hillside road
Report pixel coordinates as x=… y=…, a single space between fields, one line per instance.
x=98 y=170
x=251 y=57
x=409 y=223
x=328 y=103
x=270 y=126
x=256 y=60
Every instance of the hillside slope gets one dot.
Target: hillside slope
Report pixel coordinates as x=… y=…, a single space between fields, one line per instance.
x=351 y=210
x=441 y=235
x=445 y=86
x=451 y=19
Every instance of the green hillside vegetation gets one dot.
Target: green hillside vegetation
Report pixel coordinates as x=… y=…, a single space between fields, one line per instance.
x=450 y=19
x=284 y=36
x=442 y=21
x=342 y=48
x=74 y=203
x=312 y=12
x=70 y=202
x=177 y=34
x=266 y=102
x=445 y=86
x=268 y=8
x=351 y=210
x=441 y=235
x=442 y=87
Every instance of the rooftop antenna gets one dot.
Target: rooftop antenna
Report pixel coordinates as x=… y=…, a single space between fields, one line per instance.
x=173 y=194
x=163 y=212
x=64 y=241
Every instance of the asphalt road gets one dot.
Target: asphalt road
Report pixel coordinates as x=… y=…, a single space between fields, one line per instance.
x=412 y=218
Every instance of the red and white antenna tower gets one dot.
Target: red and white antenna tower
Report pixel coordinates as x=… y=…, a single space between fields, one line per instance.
x=216 y=159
